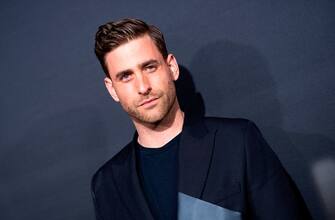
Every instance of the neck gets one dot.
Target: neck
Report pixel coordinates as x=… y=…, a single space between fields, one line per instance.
x=155 y=135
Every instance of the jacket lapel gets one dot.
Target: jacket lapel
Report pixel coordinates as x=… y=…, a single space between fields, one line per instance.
x=195 y=153
x=128 y=184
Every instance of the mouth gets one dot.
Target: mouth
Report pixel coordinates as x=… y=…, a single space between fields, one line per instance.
x=147 y=101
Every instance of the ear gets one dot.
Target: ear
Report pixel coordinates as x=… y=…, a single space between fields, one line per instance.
x=173 y=65
x=110 y=88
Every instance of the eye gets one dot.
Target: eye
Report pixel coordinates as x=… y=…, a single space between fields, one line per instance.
x=151 y=68
x=125 y=77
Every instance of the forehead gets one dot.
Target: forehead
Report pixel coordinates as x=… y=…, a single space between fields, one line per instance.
x=131 y=54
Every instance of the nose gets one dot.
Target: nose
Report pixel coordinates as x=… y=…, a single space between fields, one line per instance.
x=143 y=84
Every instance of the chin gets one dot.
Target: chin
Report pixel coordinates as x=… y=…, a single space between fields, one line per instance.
x=152 y=119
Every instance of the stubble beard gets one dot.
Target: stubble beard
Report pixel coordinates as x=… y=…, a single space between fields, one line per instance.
x=167 y=101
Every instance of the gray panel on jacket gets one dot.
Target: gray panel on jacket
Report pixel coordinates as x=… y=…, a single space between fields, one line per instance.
x=190 y=208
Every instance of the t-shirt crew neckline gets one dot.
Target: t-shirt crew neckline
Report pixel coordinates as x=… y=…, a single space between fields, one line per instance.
x=150 y=151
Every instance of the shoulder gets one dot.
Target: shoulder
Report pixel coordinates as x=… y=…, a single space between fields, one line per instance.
x=230 y=135
x=105 y=169
x=236 y=136
x=235 y=128
x=230 y=125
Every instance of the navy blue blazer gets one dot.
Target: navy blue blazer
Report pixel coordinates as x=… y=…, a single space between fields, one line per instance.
x=226 y=171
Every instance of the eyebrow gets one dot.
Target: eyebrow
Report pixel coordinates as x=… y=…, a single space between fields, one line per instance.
x=141 y=65
x=146 y=63
x=123 y=72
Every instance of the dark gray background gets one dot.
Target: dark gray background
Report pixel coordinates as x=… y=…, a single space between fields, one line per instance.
x=269 y=61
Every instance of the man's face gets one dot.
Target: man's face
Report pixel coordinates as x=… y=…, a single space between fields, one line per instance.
x=142 y=80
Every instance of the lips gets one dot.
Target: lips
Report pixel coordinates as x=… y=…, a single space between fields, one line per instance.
x=147 y=101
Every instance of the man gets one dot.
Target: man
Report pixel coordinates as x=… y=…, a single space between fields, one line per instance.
x=177 y=166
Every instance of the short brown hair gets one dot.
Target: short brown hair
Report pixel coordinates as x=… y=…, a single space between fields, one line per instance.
x=113 y=34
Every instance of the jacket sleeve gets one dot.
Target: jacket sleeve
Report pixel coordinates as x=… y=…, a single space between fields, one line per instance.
x=95 y=202
x=271 y=192
x=96 y=209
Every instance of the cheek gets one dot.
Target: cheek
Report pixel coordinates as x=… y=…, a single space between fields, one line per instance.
x=125 y=93
x=162 y=80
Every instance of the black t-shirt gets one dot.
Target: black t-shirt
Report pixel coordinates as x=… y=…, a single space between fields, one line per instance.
x=158 y=174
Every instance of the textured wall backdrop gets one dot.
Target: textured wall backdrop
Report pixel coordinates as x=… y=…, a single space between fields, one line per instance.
x=269 y=61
